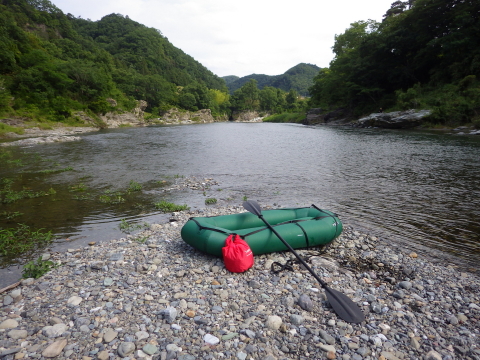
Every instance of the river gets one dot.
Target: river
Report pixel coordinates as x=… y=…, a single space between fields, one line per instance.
x=414 y=188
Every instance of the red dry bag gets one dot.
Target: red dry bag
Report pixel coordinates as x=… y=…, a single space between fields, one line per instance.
x=237 y=255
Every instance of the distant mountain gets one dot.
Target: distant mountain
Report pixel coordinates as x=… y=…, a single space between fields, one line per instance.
x=298 y=78
x=230 y=79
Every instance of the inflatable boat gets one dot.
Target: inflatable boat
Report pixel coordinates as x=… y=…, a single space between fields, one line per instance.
x=299 y=227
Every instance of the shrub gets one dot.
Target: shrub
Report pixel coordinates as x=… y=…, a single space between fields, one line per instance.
x=166 y=206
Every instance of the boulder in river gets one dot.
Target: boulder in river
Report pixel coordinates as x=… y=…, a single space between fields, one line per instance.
x=394 y=120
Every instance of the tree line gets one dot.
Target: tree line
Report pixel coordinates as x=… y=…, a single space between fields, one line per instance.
x=424 y=54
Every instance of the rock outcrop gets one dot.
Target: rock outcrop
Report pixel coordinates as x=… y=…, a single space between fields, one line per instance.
x=317 y=116
x=393 y=120
x=314 y=116
x=247 y=116
x=113 y=120
x=176 y=116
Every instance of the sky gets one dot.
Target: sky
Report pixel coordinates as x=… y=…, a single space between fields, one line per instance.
x=242 y=37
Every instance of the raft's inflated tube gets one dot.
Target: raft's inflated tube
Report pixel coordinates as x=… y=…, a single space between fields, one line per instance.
x=300 y=227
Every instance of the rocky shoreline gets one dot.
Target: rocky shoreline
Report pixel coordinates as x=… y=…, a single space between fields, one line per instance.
x=151 y=296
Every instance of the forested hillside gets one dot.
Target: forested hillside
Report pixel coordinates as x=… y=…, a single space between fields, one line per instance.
x=52 y=64
x=299 y=78
x=424 y=54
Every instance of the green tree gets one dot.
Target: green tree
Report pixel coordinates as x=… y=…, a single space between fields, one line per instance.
x=247 y=97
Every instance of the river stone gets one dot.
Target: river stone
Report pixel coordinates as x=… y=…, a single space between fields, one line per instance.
x=7 y=352
x=210 y=339
x=241 y=355
x=305 y=302
x=81 y=321
x=74 y=301
x=296 y=319
x=229 y=336
x=55 y=330
x=452 y=319
x=103 y=355
x=186 y=357
x=7 y=300
x=126 y=348
x=85 y=328
x=288 y=301
x=54 y=349
x=389 y=356
x=327 y=348
x=274 y=322
x=269 y=357
x=173 y=348
x=251 y=334
x=407 y=285
x=109 y=335
x=433 y=355
x=169 y=314
x=150 y=349
x=116 y=257
x=18 y=334
x=9 y=324
x=328 y=338
x=141 y=335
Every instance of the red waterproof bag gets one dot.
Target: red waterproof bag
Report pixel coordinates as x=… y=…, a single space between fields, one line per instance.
x=237 y=255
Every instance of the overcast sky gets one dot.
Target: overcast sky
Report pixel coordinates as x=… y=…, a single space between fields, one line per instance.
x=242 y=37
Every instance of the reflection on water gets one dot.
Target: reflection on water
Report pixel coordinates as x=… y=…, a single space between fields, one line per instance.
x=416 y=187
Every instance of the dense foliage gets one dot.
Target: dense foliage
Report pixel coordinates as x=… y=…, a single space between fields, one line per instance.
x=52 y=64
x=424 y=54
x=269 y=100
x=299 y=78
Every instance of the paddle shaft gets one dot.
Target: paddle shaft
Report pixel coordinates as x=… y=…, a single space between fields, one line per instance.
x=341 y=304
x=324 y=285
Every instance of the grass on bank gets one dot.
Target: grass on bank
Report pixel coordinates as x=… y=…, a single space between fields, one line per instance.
x=21 y=240
x=286 y=118
x=4 y=129
x=165 y=206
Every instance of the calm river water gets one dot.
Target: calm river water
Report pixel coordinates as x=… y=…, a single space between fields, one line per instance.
x=419 y=189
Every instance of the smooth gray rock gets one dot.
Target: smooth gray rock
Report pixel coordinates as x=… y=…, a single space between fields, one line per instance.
x=126 y=348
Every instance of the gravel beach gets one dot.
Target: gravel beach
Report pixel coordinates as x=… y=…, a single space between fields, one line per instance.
x=151 y=296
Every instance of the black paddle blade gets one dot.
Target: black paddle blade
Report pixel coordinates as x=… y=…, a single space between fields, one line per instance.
x=345 y=308
x=253 y=207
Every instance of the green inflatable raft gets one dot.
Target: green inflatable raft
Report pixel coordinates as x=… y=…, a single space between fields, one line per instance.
x=300 y=227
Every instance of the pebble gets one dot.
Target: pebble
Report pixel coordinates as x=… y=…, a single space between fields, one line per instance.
x=274 y=322
x=8 y=324
x=162 y=299
x=126 y=348
x=54 y=349
x=305 y=302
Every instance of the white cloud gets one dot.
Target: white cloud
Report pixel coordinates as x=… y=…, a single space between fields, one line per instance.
x=242 y=37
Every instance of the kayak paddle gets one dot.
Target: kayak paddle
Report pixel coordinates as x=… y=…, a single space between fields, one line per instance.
x=345 y=308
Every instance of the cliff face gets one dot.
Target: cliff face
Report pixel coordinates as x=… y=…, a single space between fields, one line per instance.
x=176 y=116
x=247 y=116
